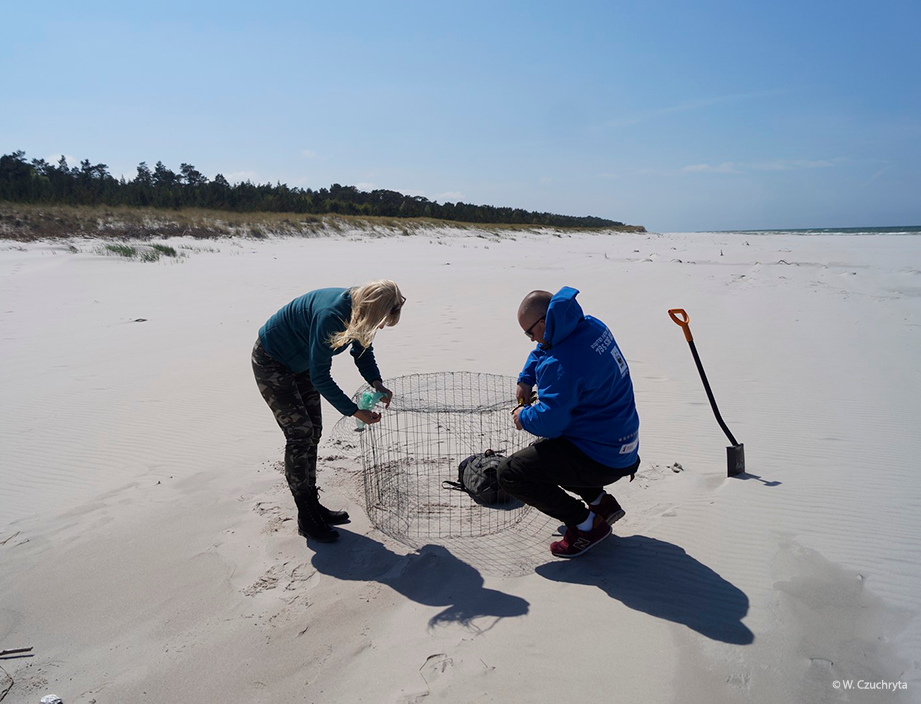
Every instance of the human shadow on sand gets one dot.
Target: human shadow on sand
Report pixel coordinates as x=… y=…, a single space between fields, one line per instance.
x=431 y=576
x=662 y=580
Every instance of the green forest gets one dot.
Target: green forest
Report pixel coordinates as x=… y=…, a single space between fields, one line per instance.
x=39 y=181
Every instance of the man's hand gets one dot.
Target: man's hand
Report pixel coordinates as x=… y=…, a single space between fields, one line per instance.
x=367 y=417
x=388 y=394
x=523 y=393
x=515 y=414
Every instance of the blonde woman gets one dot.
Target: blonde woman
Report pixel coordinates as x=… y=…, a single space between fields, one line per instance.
x=292 y=360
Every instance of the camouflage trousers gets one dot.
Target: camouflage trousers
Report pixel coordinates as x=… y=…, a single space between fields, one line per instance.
x=296 y=405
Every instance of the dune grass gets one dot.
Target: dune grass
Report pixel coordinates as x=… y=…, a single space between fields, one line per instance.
x=144 y=253
x=28 y=222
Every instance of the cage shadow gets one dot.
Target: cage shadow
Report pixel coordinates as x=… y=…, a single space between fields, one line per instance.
x=662 y=580
x=432 y=576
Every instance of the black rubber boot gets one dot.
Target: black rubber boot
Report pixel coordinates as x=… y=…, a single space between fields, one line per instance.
x=310 y=521
x=334 y=518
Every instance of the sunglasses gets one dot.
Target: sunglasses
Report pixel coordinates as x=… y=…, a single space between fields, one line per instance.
x=530 y=331
x=399 y=306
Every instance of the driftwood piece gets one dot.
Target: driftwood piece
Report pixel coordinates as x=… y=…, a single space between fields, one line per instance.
x=15 y=651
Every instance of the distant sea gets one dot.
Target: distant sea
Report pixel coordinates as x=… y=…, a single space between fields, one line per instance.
x=908 y=230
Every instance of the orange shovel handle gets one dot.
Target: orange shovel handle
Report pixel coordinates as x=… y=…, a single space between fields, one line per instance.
x=680 y=316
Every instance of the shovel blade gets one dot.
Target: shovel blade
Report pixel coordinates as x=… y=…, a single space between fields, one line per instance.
x=735 y=457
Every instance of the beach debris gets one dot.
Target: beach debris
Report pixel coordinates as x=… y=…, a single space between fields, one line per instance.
x=139 y=320
x=52 y=699
x=6 y=683
x=8 y=539
x=366 y=402
x=14 y=651
x=677 y=467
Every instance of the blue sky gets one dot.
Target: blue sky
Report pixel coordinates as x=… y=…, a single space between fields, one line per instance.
x=677 y=116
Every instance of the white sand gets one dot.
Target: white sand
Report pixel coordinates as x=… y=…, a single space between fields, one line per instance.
x=147 y=551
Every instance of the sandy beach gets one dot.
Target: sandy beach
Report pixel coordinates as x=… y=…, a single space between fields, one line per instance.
x=148 y=550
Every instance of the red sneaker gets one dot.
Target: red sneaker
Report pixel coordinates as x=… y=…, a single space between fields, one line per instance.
x=609 y=509
x=576 y=541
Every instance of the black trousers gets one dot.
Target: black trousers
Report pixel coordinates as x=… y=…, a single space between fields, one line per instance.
x=539 y=474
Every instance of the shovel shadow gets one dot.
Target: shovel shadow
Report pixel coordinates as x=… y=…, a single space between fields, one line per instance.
x=748 y=475
x=432 y=576
x=662 y=580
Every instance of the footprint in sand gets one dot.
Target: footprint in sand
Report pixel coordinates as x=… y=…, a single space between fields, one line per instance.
x=276 y=524
x=654 y=471
x=435 y=666
x=267 y=581
x=267 y=508
x=304 y=577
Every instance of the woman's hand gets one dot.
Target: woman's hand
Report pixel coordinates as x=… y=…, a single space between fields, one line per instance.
x=387 y=393
x=367 y=417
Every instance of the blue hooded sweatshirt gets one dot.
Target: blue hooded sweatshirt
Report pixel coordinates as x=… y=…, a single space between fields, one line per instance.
x=583 y=385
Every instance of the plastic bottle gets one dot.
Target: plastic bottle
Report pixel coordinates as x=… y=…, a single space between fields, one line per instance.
x=366 y=402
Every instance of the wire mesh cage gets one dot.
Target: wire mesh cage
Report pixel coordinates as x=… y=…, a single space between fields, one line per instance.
x=434 y=422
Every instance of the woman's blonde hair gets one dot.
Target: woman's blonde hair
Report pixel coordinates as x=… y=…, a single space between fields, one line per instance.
x=373 y=303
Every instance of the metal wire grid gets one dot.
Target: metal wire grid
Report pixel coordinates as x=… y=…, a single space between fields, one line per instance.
x=434 y=422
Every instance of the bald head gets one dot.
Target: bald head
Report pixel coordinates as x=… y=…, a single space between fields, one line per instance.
x=533 y=307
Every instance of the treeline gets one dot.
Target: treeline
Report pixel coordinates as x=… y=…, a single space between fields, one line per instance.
x=39 y=181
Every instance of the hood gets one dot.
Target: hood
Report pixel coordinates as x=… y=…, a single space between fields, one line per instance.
x=563 y=315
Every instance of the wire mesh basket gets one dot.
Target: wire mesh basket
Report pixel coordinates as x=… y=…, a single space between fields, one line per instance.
x=433 y=423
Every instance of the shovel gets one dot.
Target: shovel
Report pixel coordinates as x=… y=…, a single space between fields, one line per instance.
x=735 y=454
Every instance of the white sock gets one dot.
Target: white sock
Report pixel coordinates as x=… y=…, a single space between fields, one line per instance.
x=587 y=524
x=598 y=500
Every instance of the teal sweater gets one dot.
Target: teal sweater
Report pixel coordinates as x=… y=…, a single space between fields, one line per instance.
x=298 y=337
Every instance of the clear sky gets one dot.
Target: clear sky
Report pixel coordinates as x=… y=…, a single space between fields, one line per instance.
x=673 y=115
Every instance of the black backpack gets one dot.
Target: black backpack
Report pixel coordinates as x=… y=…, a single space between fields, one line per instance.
x=477 y=476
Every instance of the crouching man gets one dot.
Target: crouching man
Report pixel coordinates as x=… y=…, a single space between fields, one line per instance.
x=585 y=415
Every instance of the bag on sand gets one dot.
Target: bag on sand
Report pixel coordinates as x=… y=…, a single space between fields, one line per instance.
x=477 y=475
